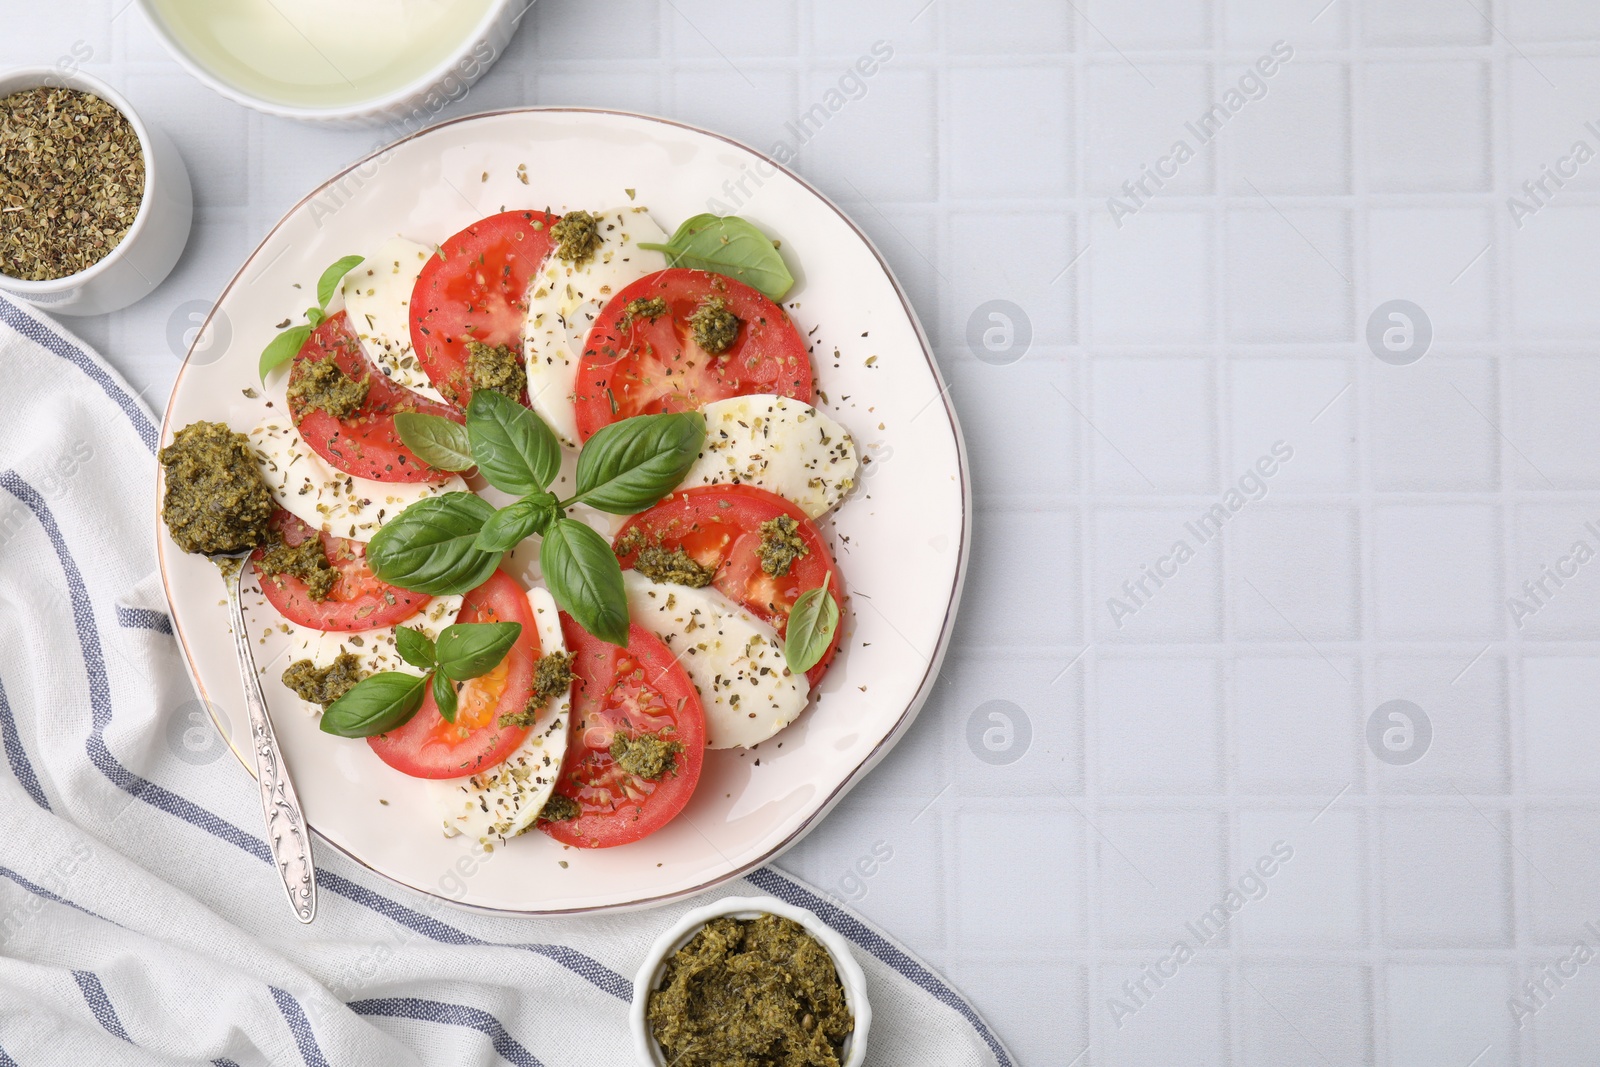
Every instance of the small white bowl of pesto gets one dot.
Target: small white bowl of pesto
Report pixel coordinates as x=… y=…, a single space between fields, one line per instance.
x=750 y=980
x=351 y=63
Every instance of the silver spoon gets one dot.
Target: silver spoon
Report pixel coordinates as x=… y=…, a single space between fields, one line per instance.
x=287 y=835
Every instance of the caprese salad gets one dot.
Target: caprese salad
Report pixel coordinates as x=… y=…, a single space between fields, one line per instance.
x=638 y=405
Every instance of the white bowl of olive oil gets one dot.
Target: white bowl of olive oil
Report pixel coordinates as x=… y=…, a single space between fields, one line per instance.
x=350 y=63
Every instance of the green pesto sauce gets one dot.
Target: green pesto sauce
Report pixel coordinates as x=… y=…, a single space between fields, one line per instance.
x=781 y=545
x=577 y=237
x=750 y=993
x=660 y=564
x=559 y=808
x=645 y=755
x=652 y=308
x=323 y=685
x=552 y=676
x=715 y=327
x=305 y=561
x=322 y=385
x=215 y=500
x=498 y=368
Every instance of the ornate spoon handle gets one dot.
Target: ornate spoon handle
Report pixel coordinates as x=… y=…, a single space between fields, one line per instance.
x=287 y=835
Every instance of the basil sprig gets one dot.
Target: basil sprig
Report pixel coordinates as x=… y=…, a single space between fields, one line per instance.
x=439 y=442
x=431 y=546
x=582 y=571
x=812 y=622
x=375 y=705
x=623 y=466
x=284 y=347
x=452 y=542
x=388 y=700
x=731 y=246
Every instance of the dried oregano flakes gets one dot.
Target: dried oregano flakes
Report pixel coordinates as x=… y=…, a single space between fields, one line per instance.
x=71 y=180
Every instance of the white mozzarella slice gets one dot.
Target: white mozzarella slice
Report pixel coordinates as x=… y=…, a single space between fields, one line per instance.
x=306 y=486
x=377 y=299
x=784 y=446
x=563 y=303
x=734 y=659
x=503 y=801
x=373 y=649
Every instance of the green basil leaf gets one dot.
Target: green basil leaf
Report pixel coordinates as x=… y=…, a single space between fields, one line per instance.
x=512 y=525
x=585 y=579
x=316 y=317
x=333 y=276
x=731 y=246
x=439 y=442
x=469 y=649
x=812 y=622
x=513 y=447
x=630 y=465
x=428 y=547
x=444 y=695
x=415 y=647
x=282 y=349
x=375 y=705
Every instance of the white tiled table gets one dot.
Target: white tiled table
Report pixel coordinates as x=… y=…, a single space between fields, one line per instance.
x=1148 y=767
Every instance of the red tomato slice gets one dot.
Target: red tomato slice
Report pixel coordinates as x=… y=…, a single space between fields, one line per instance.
x=429 y=747
x=357 y=601
x=641 y=367
x=720 y=526
x=476 y=289
x=366 y=444
x=640 y=689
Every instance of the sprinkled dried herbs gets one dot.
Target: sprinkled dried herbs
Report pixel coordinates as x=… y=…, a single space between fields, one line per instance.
x=552 y=676
x=71 y=181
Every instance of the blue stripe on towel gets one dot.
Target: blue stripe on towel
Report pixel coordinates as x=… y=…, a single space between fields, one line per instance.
x=95 y=994
x=16 y=755
x=435 y=1011
x=300 y=1027
x=54 y=343
x=144 y=619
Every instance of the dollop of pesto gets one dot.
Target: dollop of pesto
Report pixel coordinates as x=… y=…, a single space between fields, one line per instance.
x=215 y=500
x=552 y=676
x=498 y=368
x=323 y=685
x=323 y=385
x=715 y=327
x=750 y=993
x=660 y=564
x=577 y=237
x=646 y=307
x=781 y=545
x=559 y=808
x=305 y=561
x=645 y=755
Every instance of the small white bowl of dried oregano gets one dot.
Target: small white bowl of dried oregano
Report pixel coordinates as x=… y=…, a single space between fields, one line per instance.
x=95 y=206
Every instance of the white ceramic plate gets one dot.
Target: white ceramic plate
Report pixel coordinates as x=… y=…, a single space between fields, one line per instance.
x=901 y=538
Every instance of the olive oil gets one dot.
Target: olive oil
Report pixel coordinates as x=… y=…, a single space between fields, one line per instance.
x=320 y=53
